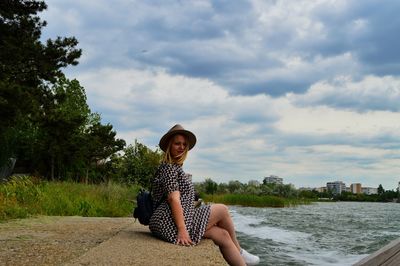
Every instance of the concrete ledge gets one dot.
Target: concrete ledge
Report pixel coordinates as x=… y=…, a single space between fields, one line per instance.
x=73 y=240
x=134 y=245
x=389 y=255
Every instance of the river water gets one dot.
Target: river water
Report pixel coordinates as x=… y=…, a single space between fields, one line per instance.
x=339 y=233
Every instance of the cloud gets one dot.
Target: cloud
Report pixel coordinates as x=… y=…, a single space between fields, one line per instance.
x=305 y=90
x=249 y=47
x=244 y=137
x=369 y=93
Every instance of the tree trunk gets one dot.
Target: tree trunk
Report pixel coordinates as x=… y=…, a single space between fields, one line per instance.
x=52 y=168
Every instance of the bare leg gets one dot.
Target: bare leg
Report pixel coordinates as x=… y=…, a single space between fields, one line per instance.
x=220 y=216
x=229 y=251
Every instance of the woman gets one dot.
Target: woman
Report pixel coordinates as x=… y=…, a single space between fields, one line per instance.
x=175 y=218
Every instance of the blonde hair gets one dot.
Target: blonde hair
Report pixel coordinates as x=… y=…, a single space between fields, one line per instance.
x=167 y=157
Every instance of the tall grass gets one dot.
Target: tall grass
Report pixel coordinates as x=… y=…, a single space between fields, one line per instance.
x=249 y=200
x=24 y=196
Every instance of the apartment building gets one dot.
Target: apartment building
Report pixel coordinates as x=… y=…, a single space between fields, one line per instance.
x=355 y=188
x=336 y=187
x=369 y=190
x=273 y=179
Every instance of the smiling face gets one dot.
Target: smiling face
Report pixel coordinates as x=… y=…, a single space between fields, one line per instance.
x=178 y=146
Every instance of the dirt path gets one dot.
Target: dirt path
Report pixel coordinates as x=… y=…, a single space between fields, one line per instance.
x=94 y=241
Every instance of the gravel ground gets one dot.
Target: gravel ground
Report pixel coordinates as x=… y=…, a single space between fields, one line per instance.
x=94 y=241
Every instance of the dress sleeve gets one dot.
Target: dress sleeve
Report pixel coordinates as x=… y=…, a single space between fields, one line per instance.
x=170 y=179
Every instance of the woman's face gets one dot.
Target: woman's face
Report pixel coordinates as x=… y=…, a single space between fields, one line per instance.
x=178 y=146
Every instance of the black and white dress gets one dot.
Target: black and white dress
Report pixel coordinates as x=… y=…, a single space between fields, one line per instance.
x=169 y=178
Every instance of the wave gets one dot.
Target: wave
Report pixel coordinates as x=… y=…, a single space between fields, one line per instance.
x=297 y=247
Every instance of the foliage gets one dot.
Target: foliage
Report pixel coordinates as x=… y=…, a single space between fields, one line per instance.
x=245 y=200
x=380 y=189
x=236 y=187
x=138 y=164
x=27 y=66
x=210 y=186
x=384 y=196
x=238 y=193
x=46 y=123
x=63 y=116
x=26 y=196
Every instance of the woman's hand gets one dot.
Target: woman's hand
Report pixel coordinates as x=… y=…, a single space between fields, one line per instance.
x=183 y=238
x=174 y=201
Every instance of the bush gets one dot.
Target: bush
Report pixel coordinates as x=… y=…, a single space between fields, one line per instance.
x=23 y=196
x=250 y=200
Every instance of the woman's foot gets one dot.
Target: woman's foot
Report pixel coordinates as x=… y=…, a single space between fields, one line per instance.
x=250 y=259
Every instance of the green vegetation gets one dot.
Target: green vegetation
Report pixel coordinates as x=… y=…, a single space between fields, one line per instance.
x=252 y=195
x=279 y=195
x=24 y=196
x=384 y=196
x=46 y=124
x=254 y=200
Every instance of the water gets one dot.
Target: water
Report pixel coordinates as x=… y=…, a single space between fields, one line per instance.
x=329 y=234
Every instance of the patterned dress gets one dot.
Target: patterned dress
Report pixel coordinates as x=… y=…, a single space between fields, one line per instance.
x=169 y=178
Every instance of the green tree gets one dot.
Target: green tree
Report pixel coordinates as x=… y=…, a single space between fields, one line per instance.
x=27 y=66
x=210 y=186
x=100 y=144
x=235 y=186
x=139 y=164
x=64 y=115
x=380 y=189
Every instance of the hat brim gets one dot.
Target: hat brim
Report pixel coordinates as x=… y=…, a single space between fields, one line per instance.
x=190 y=137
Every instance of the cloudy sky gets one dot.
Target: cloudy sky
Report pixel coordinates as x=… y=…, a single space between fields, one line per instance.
x=306 y=90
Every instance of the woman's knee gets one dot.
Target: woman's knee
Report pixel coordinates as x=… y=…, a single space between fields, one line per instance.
x=224 y=212
x=219 y=235
x=222 y=209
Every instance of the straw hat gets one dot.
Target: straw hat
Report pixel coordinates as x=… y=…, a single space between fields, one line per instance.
x=177 y=129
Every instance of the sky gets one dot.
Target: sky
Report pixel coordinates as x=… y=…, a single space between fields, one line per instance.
x=305 y=90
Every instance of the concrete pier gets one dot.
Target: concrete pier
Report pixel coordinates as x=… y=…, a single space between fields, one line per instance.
x=389 y=255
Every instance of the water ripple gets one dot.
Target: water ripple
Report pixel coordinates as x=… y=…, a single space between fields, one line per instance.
x=329 y=234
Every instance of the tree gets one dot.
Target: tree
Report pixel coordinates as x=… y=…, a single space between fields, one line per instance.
x=235 y=186
x=63 y=116
x=27 y=66
x=100 y=144
x=380 y=189
x=210 y=186
x=139 y=164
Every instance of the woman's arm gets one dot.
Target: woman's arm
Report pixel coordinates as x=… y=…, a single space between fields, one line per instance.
x=174 y=201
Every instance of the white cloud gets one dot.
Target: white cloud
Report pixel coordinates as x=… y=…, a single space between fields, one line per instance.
x=310 y=111
x=325 y=120
x=242 y=137
x=369 y=93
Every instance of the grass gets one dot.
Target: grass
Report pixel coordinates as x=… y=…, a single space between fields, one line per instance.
x=24 y=196
x=254 y=200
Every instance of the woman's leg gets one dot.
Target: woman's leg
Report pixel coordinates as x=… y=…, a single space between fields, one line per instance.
x=229 y=251
x=220 y=216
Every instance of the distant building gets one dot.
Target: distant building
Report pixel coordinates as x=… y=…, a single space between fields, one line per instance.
x=306 y=189
x=336 y=187
x=369 y=190
x=254 y=183
x=321 y=189
x=355 y=188
x=273 y=179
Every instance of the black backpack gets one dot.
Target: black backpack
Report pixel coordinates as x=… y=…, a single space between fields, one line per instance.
x=144 y=208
